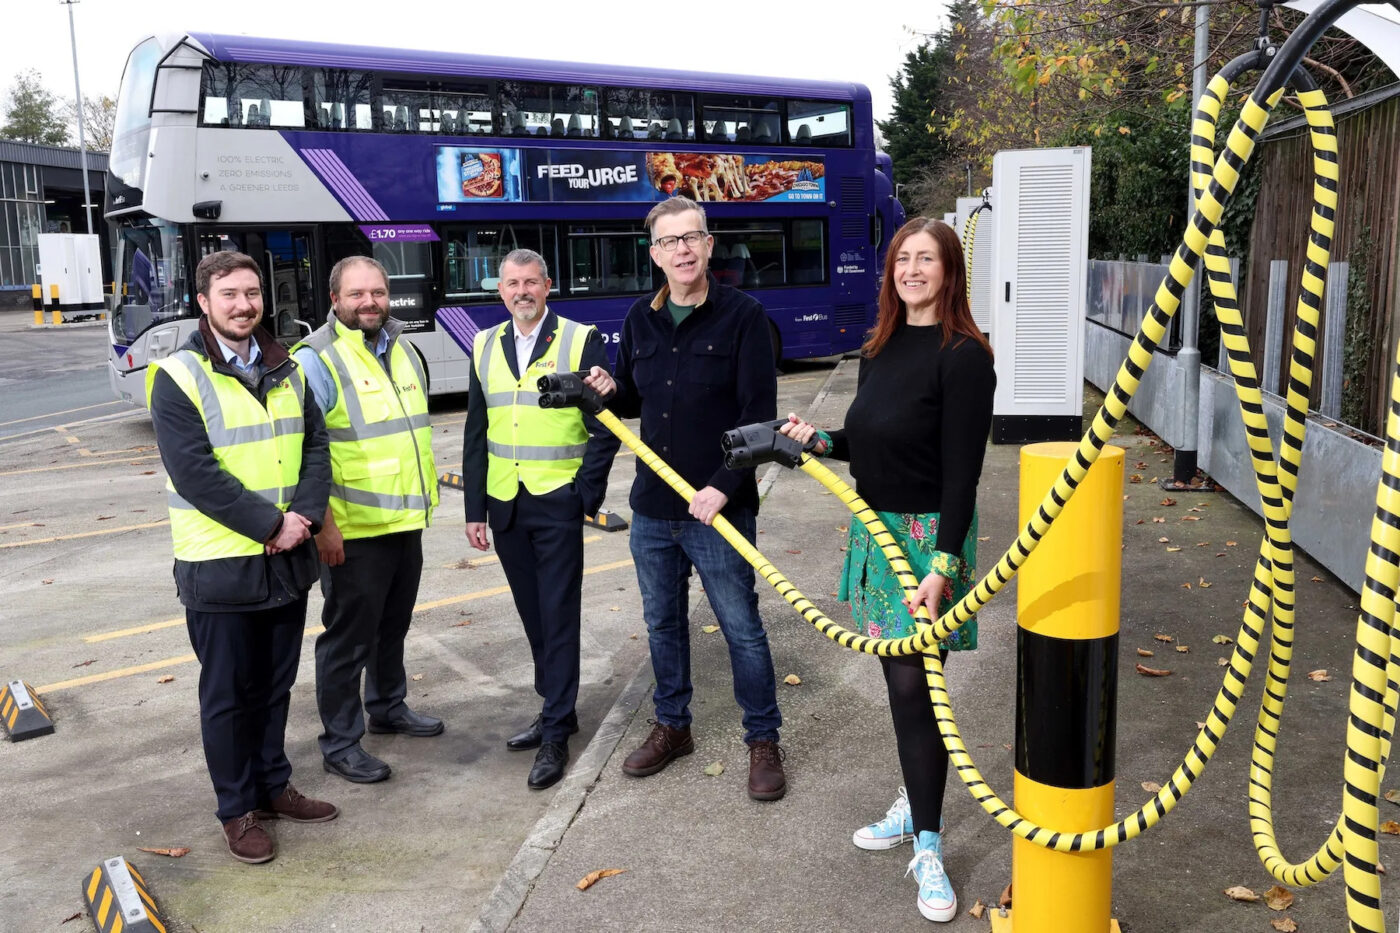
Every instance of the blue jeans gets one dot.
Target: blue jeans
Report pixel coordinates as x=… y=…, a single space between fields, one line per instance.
x=664 y=551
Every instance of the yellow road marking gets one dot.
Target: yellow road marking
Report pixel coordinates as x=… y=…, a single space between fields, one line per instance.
x=88 y=463
x=788 y=382
x=495 y=559
x=85 y=534
x=135 y=630
x=54 y=414
x=21 y=524
x=113 y=675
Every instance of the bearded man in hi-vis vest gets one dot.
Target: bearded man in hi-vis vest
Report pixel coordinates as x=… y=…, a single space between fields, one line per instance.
x=245 y=450
x=533 y=473
x=372 y=386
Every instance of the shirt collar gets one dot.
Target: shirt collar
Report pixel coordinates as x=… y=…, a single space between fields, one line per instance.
x=231 y=357
x=534 y=334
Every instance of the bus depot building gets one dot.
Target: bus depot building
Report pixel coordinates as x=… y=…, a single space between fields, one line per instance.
x=41 y=191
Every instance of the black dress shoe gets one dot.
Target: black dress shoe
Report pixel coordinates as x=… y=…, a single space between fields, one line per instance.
x=532 y=736
x=407 y=723
x=549 y=765
x=357 y=765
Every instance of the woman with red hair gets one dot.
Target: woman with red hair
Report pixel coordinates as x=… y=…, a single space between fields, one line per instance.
x=915 y=435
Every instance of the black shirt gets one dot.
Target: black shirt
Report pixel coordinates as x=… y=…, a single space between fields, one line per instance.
x=691 y=383
x=917 y=429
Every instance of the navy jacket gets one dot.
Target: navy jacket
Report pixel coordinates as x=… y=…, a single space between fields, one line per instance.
x=240 y=584
x=690 y=384
x=590 y=482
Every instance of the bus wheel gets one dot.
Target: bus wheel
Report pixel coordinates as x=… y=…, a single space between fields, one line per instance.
x=777 y=345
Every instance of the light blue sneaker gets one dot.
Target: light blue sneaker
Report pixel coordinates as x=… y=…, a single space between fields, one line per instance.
x=897 y=826
x=937 y=901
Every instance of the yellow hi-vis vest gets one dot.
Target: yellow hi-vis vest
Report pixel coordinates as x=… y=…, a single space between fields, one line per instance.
x=539 y=447
x=260 y=447
x=382 y=475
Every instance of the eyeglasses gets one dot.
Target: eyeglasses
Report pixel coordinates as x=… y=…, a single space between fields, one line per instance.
x=668 y=243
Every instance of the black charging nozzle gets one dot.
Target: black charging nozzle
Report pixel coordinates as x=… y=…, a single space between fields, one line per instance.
x=568 y=390
x=753 y=444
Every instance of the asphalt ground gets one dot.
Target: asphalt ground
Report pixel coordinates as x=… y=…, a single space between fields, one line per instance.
x=88 y=617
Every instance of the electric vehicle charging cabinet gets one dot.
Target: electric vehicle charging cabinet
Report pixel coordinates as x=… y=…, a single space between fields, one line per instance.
x=1039 y=263
x=951 y=219
x=73 y=262
x=980 y=274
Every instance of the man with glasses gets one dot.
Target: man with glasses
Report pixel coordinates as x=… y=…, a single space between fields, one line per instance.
x=694 y=361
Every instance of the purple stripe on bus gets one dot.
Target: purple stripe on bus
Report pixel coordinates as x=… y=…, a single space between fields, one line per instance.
x=338 y=175
x=459 y=325
x=326 y=169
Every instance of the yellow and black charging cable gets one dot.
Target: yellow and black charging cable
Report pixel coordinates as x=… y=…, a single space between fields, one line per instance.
x=969 y=238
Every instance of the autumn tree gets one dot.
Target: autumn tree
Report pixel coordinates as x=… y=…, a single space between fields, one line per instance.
x=33 y=114
x=99 y=121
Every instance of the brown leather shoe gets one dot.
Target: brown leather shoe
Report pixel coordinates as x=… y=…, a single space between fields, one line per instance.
x=661 y=747
x=766 y=778
x=291 y=805
x=248 y=841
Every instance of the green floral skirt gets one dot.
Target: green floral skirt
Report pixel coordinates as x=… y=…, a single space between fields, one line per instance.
x=870 y=586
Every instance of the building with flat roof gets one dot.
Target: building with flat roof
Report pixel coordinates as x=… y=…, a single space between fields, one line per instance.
x=41 y=191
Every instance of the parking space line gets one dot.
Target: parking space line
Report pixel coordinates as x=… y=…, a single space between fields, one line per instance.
x=113 y=675
x=85 y=463
x=55 y=414
x=85 y=534
x=134 y=630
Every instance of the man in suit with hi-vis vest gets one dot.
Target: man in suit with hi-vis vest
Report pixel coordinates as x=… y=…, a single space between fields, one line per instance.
x=533 y=473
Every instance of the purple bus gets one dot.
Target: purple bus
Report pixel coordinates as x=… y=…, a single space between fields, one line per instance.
x=438 y=164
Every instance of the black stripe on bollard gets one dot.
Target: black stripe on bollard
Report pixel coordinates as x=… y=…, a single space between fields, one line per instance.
x=1066 y=709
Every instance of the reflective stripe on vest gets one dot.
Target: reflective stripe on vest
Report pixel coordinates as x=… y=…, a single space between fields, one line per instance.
x=259 y=446
x=525 y=444
x=383 y=478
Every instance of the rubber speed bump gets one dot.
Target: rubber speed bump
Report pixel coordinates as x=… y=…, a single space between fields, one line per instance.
x=118 y=900
x=23 y=712
x=606 y=519
x=452 y=479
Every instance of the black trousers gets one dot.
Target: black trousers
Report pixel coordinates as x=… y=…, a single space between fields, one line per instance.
x=369 y=604
x=247 y=665
x=541 y=551
x=923 y=759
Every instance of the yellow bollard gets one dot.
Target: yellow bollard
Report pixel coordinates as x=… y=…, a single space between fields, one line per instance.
x=36 y=291
x=57 y=314
x=1067 y=607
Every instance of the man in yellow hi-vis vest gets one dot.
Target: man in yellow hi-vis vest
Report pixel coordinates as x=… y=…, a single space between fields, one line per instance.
x=534 y=473
x=373 y=389
x=245 y=448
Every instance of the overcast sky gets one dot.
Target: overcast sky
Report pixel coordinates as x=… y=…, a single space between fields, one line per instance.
x=863 y=42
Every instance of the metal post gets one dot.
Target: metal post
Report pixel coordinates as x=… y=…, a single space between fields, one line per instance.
x=969 y=179
x=1273 y=324
x=1067 y=607
x=82 y=136
x=1188 y=358
x=1334 y=332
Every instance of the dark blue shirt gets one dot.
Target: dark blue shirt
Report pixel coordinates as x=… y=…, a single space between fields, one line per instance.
x=691 y=383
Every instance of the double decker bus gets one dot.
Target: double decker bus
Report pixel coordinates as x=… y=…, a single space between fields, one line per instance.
x=439 y=164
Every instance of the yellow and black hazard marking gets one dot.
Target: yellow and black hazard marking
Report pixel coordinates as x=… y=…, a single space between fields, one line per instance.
x=120 y=901
x=607 y=520
x=23 y=713
x=452 y=479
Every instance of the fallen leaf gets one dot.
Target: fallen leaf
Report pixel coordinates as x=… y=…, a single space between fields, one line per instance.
x=1151 y=787
x=614 y=609
x=1186 y=586
x=1190 y=518
x=148 y=472
x=1144 y=653
x=1163 y=540
x=1229 y=544
x=1169 y=501
x=1173 y=550
x=1141 y=464
x=175 y=852
x=1153 y=480
x=1222 y=662
x=1005 y=899
x=1284 y=925
x=1221 y=554
x=714 y=768
x=1193 y=509
x=74 y=917
x=460 y=624
x=1135 y=478
x=1182 y=649
x=86 y=663
x=1240 y=893
x=103 y=518
x=977 y=910
x=790 y=551
x=792 y=680
x=1203 y=584
x=592 y=878
x=1166 y=639
x=1200 y=725
x=1140 y=520
x=1159 y=519
x=48 y=581
x=165 y=679
x=1380 y=869
x=416 y=677
x=1391 y=828
x=1202 y=544
x=709 y=629
x=1316 y=579
x=983 y=538
x=1222 y=639
x=1152 y=672
x=1319 y=676
x=633 y=636
x=1393 y=796
x=1278 y=898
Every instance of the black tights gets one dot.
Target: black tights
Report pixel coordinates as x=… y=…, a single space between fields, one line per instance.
x=922 y=757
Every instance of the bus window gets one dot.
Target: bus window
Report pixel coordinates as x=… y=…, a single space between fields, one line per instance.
x=655 y=115
x=405 y=106
x=740 y=119
x=462 y=109
x=341 y=99
x=749 y=254
x=472 y=257
x=608 y=261
x=818 y=123
x=154 y=287
x=253 y=95
x=808 y=252
x=549 y=109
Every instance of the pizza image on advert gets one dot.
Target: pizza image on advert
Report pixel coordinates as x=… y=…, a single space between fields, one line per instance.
x=706 y=176
x=481 y=175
